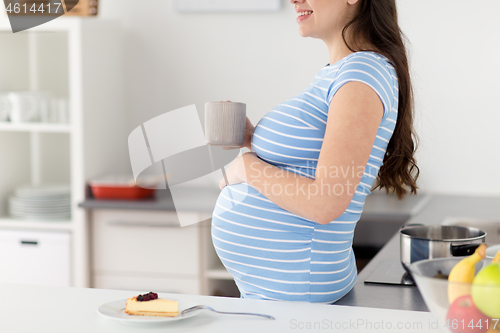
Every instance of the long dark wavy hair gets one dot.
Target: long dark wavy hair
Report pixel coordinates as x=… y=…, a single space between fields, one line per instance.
x=377 y=24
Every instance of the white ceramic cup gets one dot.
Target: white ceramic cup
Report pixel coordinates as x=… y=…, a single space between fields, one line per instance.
x=24 y=107
x=225 y=123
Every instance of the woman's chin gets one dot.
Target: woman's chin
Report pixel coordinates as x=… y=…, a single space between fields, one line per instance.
x=303 y=32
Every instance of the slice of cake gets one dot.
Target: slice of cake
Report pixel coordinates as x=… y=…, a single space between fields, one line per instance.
x=150 y=305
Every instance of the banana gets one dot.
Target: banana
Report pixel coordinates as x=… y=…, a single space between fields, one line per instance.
x=462 y=274
x=497 y=257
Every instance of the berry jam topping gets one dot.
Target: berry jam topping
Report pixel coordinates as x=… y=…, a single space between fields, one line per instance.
x=147 y=297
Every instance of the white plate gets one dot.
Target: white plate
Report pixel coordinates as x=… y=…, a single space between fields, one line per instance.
x=40 y=209
x=45 y=189
x=43 y=207
x=116 y=310
x=41 y=202
x=43 y=197
x=39 y=212
x=35 y=214
x=39 y=217
x=492 y=250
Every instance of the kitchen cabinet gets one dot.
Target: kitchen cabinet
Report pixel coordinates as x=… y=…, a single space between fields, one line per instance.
x=152 y=242
x=79 y=60
x=149 y=250
x=35 y=257
x=123 y=281
x=142 y=250
x=139 y=245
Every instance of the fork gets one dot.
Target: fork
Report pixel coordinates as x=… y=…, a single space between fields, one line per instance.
x=206 y=307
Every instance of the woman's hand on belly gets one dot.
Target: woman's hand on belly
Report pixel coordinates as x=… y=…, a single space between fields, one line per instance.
x=236 y=173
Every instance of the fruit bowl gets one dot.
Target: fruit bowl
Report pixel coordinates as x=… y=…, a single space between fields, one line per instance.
x=458 y=307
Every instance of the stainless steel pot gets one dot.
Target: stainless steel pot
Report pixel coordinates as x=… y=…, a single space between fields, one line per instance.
x=419 y=242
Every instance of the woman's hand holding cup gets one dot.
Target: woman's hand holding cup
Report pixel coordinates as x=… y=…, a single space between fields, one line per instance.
x=249 y=128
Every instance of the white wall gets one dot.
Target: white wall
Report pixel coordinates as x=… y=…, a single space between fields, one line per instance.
x=174 y=59
x=455 y=64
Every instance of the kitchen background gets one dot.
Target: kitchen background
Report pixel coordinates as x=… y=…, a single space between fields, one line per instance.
x=163 y=59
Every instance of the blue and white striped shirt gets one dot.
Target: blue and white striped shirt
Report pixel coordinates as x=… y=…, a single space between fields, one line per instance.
x=277 y=255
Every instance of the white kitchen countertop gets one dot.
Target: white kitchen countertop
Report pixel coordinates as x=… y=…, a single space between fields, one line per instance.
x=26 y=308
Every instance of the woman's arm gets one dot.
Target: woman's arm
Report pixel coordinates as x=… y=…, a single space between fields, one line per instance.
x=354 y=116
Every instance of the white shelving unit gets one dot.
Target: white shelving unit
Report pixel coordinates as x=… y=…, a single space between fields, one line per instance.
x=78 y=59
x=35 y=127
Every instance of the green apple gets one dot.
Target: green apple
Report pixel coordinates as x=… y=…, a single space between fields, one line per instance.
x=486 y=290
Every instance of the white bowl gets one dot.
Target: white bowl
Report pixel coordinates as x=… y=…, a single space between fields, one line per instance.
x=434 y=291
x=492 y=250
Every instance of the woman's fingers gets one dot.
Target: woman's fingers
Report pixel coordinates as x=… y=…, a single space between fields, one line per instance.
x=222 y=184
x=235 y=173
x=249 y=129
x=248 y=124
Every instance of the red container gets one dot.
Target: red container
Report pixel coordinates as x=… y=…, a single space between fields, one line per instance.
x=119 y=188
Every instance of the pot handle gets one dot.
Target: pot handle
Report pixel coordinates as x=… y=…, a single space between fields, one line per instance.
x=463 y=250
x=411 y=225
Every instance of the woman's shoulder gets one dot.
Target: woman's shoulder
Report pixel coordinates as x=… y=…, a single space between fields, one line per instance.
x=369 y=61
x=368 y=67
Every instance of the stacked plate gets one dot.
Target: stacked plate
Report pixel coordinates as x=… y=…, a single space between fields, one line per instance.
x=42 y=202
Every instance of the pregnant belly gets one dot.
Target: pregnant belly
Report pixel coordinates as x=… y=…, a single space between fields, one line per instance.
x=272 y=252
x=254 y=236
x=241 y=206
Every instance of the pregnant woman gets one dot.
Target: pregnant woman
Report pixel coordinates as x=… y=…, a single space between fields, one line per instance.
x=284 y=223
